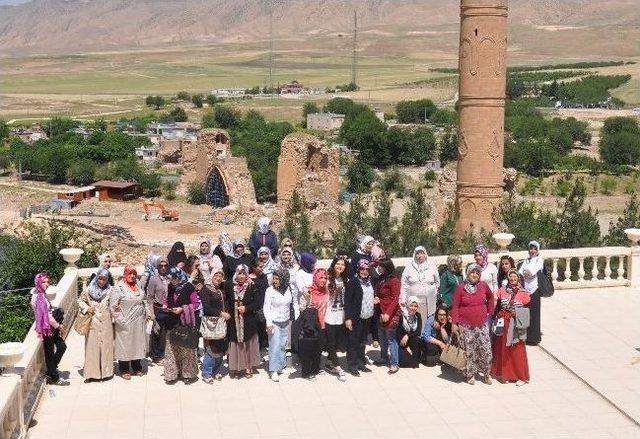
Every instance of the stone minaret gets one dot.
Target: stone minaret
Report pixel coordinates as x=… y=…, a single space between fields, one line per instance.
x=483 y=47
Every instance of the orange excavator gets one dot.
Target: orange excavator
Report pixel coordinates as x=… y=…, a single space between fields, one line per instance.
x=165 y=214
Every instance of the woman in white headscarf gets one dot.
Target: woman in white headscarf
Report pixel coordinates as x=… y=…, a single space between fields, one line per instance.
x=269 y=265
x=98 y=342
x=421 y=279
x=263 y=236
x=365 y=246
x=104 y=261
x=209 y=261
x=529 y=271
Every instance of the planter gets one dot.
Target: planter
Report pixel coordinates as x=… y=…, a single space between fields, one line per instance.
x=71 y=256
x=633 y=235
x=10 y=354
x=503 y=240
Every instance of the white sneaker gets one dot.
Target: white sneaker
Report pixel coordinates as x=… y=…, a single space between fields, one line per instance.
x=275 y=377
x=341 y=375
x=520 y=383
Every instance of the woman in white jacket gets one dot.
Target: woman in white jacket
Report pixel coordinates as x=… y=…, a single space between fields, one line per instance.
x=421 y=279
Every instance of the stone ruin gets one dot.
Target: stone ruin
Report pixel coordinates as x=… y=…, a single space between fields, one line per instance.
x=227 y=180
x=310 y=167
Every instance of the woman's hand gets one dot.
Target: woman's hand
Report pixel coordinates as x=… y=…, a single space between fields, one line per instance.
x=91 y=309
x=455 y=329
x=376 y=300
x=348 y=324
x=177 y=310
x=404 y=340
x=225 y=315
x=242 y=309
x=384 y=318
x=441 y=344
x=270 y=330
x=436 y=325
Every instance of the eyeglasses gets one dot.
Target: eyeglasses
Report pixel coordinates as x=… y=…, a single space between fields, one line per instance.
x=442 y=314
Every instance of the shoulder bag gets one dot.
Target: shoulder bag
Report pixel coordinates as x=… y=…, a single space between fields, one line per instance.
x=184 y=336
x=545 y=283
x=83 y=323
x=454 y=356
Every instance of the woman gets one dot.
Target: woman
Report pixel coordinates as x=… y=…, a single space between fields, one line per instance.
x=48 y=329
x=156 y=294
x=214 y=305
x=288 y=243
x=104 y=261
x=388 y=298
x=236 y=258
x=472 y=303
x=313 y=324
x=263 y=236
x=177 y=256
x=242 y=328
x=128 y=308
x=509 y=351
x=303 y=280
x=421 y=279
x=287 y=261
x=436 y=335
x=505 y=265
x=489 y=273
x=334 y=318
x=98 y=342
x=182 y=301
x=268 y=264
x=529 y=271
x=210 y=262
x=277 y=314
x=358 y=312
x=365 y=245
x=449 y=281
x=258 y=284
x=408 y=334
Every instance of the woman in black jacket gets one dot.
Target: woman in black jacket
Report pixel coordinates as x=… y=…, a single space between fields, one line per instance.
x=242 y=327
x=358 y=312
x=214 y=305
x=408 y=333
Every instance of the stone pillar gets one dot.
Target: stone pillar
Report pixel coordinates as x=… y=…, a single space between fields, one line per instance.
x=482 y=85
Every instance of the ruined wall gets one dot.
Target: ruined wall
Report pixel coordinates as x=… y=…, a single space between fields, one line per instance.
x=213 y=150
x=310 y=167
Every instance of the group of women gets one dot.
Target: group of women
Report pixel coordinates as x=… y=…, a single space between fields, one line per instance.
x=268 y=298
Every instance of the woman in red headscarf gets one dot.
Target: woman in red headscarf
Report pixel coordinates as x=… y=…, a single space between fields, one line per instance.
x=128 y=308
x=48 y=329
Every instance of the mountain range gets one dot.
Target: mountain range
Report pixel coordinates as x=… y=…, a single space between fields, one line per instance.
x=604 y=27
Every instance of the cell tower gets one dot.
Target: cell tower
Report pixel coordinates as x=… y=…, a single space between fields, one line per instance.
x=354 y=62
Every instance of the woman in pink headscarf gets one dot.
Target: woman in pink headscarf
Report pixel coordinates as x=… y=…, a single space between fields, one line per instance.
x=48 y=329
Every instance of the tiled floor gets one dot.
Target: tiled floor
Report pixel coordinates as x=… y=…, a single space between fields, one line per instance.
x=412 y=403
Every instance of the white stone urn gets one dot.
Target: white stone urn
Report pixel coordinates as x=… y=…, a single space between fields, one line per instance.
x=51 y=292
x=71 y=256
x=503 y=240
x=633 y=235
x=10 y=354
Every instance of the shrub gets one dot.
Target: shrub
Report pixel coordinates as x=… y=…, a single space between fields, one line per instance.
x=297 y=226
x=629 y=219
x=531 y=186
x=226 y=117
x=183 y=96
x=197 y=100
x=415 y=111
x=620 y=141
x=196 y=193
x=608 y=185
x=562 y=187
x=168 y=189
x=430 y=177
x=361 y=176
x=391 y=180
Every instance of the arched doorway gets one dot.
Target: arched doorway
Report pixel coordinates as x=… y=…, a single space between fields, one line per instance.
x=216 y=190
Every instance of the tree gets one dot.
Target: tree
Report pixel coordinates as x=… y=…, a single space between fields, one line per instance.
x=620 y=141
x=364 y=132
x=57 y=126
x=414 y=226
x=183 y=96
x=156 y=102
x=576 y=226
x=196 y=193
x=297 y=226
x=515 y=87
x=4 y=131
x=448 y=145
x=361 y=177
x=630 y=219
x=308 y=108
x=226 y=117
x=530 y=156
x=382 y=225
x=213 y=99
x=340 y=106
x=178 y=114
x=82 y=172
x=209 y=119
x=415 y=111
x=197 y=100
x=350 y=224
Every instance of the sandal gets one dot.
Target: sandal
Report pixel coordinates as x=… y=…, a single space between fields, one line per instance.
x=126 y=376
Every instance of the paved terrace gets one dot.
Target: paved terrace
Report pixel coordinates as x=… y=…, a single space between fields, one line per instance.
x=592 y=332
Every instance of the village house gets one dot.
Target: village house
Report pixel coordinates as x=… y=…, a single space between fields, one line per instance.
x=293 y=87
x=234 y=92
x=147 y=154
x=325 y=121
x=30 y=135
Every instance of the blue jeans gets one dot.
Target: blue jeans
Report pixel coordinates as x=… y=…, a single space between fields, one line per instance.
x=210 y=365
x=278 y=346
x=389 y=346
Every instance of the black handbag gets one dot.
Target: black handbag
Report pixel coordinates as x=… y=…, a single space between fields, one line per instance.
x=545 y=283
x=185 y=336
x=58 y=315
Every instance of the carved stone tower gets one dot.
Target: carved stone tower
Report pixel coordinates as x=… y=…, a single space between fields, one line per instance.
x=483 y=47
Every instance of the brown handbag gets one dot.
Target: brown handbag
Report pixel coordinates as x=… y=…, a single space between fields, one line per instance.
x=454 y=356
x=82 y=324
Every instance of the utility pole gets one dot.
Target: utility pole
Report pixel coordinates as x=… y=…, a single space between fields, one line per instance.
x=271 y=46
x=354 y=62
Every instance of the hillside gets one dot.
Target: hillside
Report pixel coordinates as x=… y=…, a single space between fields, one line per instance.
x=570 y=28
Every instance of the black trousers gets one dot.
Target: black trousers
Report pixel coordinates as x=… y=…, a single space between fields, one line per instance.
x=54 y=347
x=333 y=341
x=431 y=354
x=356 y=342
x=130 y=366
x=157 y=342
x=534 y=336
x=263 y=337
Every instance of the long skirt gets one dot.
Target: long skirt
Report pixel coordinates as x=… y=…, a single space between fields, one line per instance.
x=179 y=362
x=534 y=335
x=243 y=356
x=476 y=343
x=509 y=362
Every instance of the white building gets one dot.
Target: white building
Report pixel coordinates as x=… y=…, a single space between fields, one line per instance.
x=325 y=121
x=233 y=92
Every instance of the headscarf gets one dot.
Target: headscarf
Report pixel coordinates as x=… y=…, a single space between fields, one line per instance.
x=130 y=269
x=453 y=259
x=151 y=266
x=319 y=295
x=410 y=322
x=363 y=263
x=484 y=252
x=43 y=327
x=179 y=275
x=240 y=288
x=420 y=267
x=307 y=262
x=269 y=266
x=468 y=285
x=94 y=289
x=159 y=261
x=362 y=244
x=225 y=243
x=511 y=288
x=535 y=244
x=103 y=257
x=263 y=225
x=283 y=275
x=206 y=257
x=237 y=243
x=377 y=252
x=176 y=254
x=292 y=263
